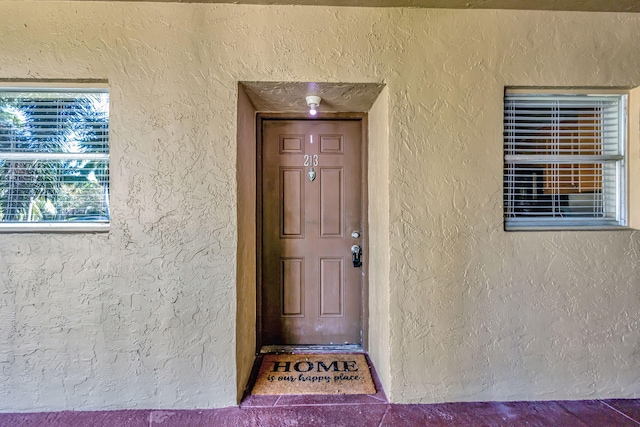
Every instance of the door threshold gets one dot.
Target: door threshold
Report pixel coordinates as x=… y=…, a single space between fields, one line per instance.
x=298 y=349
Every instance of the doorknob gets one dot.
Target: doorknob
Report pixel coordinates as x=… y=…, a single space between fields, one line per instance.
x=356 y=253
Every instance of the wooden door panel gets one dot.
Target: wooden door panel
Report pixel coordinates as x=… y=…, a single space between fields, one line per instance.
x=292 y=202
x=311 y=293
x=331 y=214
x=331 y=144
x=291 y=144
x=331 y=287
x=292 y=287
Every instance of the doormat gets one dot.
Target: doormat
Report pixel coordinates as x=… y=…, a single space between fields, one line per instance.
x=314 y=374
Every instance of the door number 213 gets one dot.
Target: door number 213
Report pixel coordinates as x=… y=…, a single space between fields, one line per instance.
x=311 y=160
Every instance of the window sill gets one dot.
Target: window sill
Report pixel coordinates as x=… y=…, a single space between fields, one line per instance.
x=54 y=227
x=582 y=227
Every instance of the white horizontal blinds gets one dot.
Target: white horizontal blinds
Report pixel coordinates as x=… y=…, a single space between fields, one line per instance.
x=54 y=156
x=563 y=159
x=54 y=122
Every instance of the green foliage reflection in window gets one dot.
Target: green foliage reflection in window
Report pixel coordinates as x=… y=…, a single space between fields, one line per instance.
x=54 y=156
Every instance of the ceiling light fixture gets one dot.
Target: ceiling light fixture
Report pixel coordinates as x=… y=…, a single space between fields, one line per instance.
x=313 y=102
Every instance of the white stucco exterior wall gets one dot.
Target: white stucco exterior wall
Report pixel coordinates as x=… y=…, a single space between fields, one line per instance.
x=145 y=316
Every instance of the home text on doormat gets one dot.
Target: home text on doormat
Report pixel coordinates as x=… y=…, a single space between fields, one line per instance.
x=314 y=374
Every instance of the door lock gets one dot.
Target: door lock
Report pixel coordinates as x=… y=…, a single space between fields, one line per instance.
x=356 y=254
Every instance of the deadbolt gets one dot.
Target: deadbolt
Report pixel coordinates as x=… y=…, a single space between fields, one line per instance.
x=356 y=254
x=355 y=234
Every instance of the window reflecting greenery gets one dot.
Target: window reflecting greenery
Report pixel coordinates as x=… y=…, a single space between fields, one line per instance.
x=54 y=156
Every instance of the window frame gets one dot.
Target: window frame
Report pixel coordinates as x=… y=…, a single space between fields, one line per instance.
x=515 y=223
x=80 y=226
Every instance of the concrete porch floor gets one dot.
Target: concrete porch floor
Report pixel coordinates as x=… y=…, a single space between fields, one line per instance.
x=353 y=411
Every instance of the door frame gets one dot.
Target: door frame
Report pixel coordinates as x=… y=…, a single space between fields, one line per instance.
x=363 y=119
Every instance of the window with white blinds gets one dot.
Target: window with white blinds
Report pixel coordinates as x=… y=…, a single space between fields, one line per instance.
x=54 y=159
x=564 y=161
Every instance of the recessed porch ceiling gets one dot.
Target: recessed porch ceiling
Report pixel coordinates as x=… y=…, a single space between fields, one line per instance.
x=567 y=5
x=290 y=96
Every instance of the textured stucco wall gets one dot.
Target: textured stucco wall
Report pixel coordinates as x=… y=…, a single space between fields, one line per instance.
x=477 y=313
x=246 y=262
x=145 y=316
x=378 y=244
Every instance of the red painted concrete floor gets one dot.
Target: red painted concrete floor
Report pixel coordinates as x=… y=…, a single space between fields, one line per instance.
x=353 y=411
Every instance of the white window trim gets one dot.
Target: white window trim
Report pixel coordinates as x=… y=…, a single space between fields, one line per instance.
x=65 y=227
x=623 y=175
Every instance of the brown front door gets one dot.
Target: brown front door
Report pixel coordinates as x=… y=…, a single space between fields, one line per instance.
x=311 y=206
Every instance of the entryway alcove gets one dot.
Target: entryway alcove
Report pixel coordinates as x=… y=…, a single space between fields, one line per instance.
x=287 y=100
